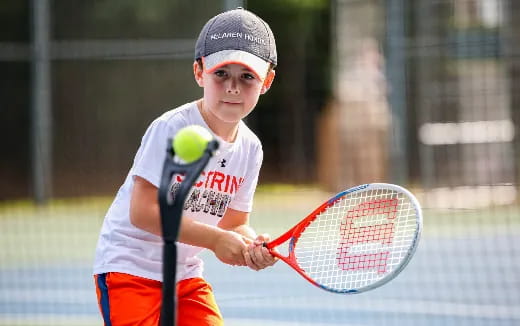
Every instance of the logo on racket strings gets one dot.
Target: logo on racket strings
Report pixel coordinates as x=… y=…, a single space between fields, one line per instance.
x=354 y=231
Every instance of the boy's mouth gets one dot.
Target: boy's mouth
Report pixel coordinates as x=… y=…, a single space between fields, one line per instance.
x=231 y=102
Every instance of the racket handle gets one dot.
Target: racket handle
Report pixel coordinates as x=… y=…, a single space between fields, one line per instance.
x=268 y=245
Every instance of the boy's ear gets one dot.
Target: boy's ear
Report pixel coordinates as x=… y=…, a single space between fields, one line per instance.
x=197 y=73
x=268 y=82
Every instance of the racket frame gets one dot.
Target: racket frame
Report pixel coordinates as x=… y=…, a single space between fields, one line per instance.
x=296 y=231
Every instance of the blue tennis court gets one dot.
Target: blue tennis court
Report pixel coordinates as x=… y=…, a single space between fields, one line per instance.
x=457 y=277
x=421 y=93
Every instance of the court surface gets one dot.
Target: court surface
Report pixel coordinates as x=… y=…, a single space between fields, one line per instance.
x=459 y=276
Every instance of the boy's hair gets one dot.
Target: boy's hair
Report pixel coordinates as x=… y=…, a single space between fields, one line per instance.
x=237 y=36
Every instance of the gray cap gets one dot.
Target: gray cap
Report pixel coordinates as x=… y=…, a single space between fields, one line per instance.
x=237 y=36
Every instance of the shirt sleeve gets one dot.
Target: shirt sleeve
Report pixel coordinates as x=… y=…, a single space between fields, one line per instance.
x=149 y=160
x=243 y=200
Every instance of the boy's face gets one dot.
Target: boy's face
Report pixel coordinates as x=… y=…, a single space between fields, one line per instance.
x=231 y=91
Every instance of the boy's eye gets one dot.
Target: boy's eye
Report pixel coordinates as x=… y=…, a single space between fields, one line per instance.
x=248 y=76
x=220 y=73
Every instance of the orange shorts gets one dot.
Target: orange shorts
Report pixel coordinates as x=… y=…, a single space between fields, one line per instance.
x=131 y=300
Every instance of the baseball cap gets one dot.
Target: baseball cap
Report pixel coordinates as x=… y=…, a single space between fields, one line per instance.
x=237 y=36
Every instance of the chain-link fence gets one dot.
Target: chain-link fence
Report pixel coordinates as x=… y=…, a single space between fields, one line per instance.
x=416 y=92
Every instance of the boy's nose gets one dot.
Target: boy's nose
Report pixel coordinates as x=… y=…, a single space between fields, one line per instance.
x=233 y=88
x=233 y=91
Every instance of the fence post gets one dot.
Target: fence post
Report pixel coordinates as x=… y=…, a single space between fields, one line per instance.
x=41 y=128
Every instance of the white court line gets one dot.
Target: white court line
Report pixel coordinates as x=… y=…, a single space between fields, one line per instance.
x=46 y=320
x=412 y=307
x=36 y=296
x=433 y=308
x=49 y=320
x=256 y=322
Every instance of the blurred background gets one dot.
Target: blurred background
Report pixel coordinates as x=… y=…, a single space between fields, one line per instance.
x=422 y=93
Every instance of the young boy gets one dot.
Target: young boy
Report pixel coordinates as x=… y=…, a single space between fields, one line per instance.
x=234 y=59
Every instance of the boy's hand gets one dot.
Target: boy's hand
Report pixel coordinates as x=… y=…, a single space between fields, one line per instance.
x=257 y=256
x=229 y=248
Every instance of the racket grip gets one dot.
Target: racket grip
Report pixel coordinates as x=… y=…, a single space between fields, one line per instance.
x=267 y=245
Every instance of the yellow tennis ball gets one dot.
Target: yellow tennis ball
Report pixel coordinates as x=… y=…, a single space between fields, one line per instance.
x=190 y=142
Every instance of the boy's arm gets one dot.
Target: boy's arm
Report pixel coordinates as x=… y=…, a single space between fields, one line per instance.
x=228 y=246
x=256 y=256
x=237 y=221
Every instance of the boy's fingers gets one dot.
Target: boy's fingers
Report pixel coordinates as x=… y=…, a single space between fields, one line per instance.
x=262 y=238
x=270 y=259
x=249 y=261
x=258 y=256
x=247 y=240
x=261 y=257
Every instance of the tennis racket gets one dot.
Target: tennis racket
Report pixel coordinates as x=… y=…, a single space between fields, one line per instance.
x=357 y=240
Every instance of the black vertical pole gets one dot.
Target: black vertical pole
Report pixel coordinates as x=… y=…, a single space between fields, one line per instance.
x=171 y=207
x=396 y=74
x=41 y=129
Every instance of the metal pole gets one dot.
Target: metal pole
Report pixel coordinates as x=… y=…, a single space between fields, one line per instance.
x=232 y=4
x=171 y=207
x=41 y=131
x=395 y=70
x=511 y=42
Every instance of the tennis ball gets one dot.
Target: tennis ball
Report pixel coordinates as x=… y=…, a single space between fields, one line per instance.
x=190 y=142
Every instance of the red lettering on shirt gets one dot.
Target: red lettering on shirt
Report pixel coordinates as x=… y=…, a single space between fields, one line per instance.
x=215 y=180
x=235 y=184
x=218 y=178
x=227 y=183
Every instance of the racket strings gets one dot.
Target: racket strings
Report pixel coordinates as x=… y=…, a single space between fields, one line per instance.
x=358 y=240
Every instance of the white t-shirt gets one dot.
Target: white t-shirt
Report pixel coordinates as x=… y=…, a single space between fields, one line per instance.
x=229 y=180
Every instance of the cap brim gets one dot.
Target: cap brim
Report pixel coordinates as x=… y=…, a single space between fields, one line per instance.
x=218 y=59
